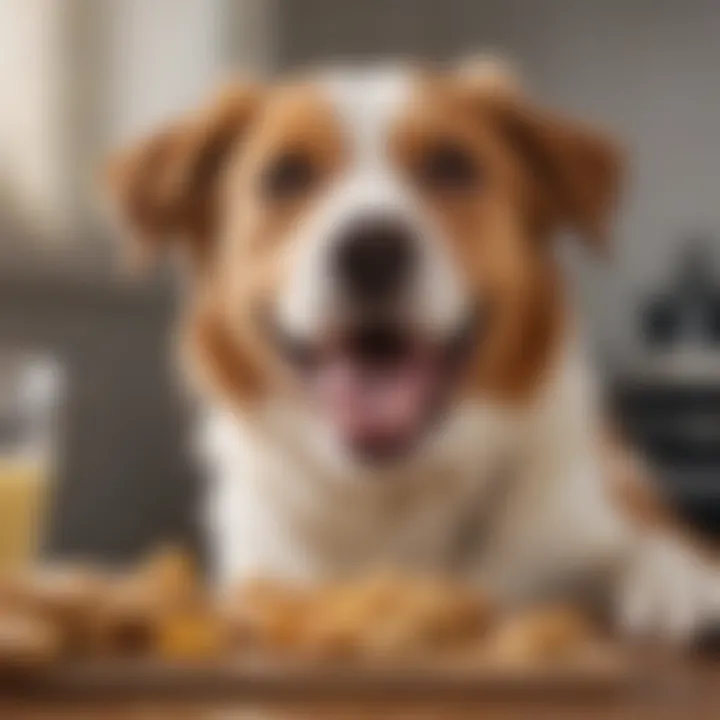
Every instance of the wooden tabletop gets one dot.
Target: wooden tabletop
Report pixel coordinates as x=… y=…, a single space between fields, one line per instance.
x=666 y=688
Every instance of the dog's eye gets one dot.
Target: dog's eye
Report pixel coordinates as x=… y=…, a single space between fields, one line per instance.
x=449 y=167
x=289 y=175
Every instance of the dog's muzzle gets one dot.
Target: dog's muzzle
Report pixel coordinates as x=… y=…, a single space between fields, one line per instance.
x=371 y=367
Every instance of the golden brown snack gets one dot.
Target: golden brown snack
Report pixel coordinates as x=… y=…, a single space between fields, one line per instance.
x=376 y=615
x=95 y=612
x=339 y=616
x=67 y=596
x=161 y=609
x=60 y=591
x=190 y=636
x=27 y=641
x=392 y=615
x=431 y=616
x=124 y=623
x=170 y=577
x=546 y=634
x=128 y=619
x=269 y=614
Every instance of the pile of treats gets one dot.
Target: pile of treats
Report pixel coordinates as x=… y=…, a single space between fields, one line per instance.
x=162 y=610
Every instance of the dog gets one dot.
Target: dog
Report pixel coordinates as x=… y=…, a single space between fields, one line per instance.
x=389 y=368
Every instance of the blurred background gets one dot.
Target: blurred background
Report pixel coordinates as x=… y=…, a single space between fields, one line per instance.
x=80 y=77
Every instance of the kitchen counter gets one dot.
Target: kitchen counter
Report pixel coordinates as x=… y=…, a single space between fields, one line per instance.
x=668 y=687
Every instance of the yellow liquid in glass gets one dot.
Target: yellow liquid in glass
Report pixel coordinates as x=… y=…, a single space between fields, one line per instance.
x=23 y=484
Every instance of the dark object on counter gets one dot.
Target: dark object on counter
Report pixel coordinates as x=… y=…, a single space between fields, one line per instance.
x=676 y=425
x=687 y=312
x=670 y=406
x=707 y=643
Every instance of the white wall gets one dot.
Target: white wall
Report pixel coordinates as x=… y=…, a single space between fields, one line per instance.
x=32 y=92
x=163 y=55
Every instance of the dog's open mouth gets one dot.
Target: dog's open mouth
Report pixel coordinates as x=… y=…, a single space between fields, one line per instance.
x=379 y=385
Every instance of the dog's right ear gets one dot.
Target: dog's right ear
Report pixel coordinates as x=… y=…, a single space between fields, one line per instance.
x=165 y=188
x=575 y=172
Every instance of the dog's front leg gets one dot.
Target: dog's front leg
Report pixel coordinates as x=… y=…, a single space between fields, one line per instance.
x=563 y=528
x=667 y=588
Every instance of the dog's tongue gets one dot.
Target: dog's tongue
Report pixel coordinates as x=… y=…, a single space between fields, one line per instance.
x=377 y=404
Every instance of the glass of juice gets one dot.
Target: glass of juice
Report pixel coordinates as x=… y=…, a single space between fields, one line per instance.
x=29 y=416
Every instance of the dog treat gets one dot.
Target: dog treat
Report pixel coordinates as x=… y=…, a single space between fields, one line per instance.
x=390 y=615
x=128 y=619
x=541 y=635
x=270 y=614
x=431 y=616
x=170 y=578
x=28 y=641
x=381 y=614
x=62 y=591
x=67 y=596
x=125 y=621
x=161 y=610
x=190 y=635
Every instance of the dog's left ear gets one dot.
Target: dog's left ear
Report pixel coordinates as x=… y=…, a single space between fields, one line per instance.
x=165 y=188
x=574 y=171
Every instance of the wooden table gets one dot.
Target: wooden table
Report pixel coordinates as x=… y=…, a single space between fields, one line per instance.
x=666 y=688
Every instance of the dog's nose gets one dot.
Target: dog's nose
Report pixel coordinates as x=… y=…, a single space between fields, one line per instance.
x=374 y=258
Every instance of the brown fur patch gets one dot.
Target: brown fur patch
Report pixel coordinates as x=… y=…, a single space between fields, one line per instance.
x=295 y=120
x=220 y=364
x=253 y=258
x=572 y=170
x=498 y=247
x=167 y=185
x=543 y=173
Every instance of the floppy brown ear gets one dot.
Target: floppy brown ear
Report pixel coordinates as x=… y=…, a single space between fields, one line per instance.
x=165 y=188
x=574 y=171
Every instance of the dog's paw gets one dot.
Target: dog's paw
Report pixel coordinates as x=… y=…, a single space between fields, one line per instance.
x=668 y=591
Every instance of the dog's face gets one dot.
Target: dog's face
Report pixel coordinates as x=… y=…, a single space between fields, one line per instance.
x=372 y=243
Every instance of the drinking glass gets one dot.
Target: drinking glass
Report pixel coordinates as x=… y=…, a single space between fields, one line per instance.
x=30 y=387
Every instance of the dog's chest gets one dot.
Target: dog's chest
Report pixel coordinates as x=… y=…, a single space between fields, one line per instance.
x=282 y=508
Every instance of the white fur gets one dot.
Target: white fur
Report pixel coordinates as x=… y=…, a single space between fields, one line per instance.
x=368 y=104
x=281 y=504
x=667 y=586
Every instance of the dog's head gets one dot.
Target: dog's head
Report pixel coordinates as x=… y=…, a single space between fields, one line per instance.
x=372 y=243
